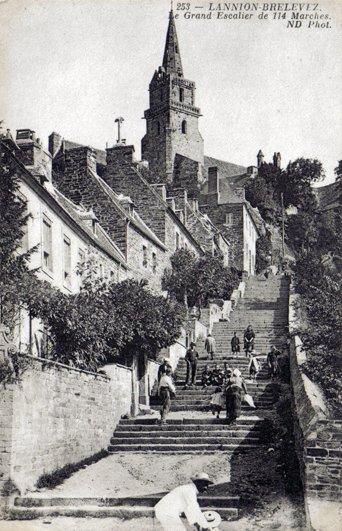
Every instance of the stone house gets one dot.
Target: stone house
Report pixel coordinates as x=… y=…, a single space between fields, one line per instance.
x=65 y=235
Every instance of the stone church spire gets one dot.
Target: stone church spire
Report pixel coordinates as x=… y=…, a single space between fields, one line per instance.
x=172 y=62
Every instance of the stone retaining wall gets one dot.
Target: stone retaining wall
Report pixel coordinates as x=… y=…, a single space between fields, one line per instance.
x=318 y=436
x=57 y=416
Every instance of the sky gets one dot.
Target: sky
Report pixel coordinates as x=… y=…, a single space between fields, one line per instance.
x=73 y=66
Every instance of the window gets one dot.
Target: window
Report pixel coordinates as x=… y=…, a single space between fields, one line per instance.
x=161 y=95
x=144 y=256
x=47 y=243
x=67 y=261
x=229 y=218
x=181 y=94
x=177 y=241
x=184 y=127
x=154 y=263
x=158 y=128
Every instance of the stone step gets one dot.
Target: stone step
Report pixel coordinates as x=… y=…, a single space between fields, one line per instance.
x=242 y=421
x=139 y=501
x=204 y=407
x=122 y=512
x=214 y=425
x=167 y=432
x=185 y=439
x=208 y=391
x=175 y=448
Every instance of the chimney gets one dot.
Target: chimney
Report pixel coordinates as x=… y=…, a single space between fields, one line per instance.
x=260 y=158
x=213 y=180
x=277 y=160
x=33 y=155
x=120 y=154
x=55 y=144
x=213 y=196
x=80 y=159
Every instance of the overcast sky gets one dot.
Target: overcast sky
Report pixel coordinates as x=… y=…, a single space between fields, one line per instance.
x=72 y=66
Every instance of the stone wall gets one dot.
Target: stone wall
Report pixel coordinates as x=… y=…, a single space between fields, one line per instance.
x=318 y=435
x=57 y=416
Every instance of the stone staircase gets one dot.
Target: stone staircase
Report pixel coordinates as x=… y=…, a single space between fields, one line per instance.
x=190 y=427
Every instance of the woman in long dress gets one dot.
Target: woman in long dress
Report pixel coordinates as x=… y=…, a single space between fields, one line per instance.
x=235 y=389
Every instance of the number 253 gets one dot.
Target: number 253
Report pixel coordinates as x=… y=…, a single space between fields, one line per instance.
x=183 y=7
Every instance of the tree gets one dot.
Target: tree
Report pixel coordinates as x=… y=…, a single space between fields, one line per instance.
x=260 y=194
x=338 y=171
x=198 y=279
x=105 y=322
x=212 y=280
x=177 y=281
x=148 y=322
x=15 y=276
x=296 y=182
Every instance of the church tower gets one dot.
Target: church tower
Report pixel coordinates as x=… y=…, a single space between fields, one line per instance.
x=172 y=118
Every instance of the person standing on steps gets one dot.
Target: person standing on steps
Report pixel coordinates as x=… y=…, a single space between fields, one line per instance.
x=235 y=344
x=191 y=358
x=248 y=339
x=183 y=500
x=166 y=391
x=210 y=346
x=272 y=362
x=163 y=367
x=235 y=389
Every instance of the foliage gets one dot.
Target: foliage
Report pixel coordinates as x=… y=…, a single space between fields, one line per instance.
x=261 y=192
x=198 y=280
x=104 y=322
x=338 y=171
x=12 y=367
x=211 y=280
x=146 y=322
x=15 y=275
x=263 y=252
x=320 y=288
x=296 y=183
x=177 y=281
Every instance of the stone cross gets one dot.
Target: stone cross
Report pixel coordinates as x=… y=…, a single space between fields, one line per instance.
x=119 y=122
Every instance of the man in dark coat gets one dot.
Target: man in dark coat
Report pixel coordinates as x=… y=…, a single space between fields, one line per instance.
x=191 y=358
x=272 y=361
x=235 y=343
x=248 y=340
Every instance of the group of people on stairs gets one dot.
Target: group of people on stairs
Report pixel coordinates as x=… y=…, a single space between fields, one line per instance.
x=230 y=388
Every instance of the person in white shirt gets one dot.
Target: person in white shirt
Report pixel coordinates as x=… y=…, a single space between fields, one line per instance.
x=166 y=389
x=183 y=500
